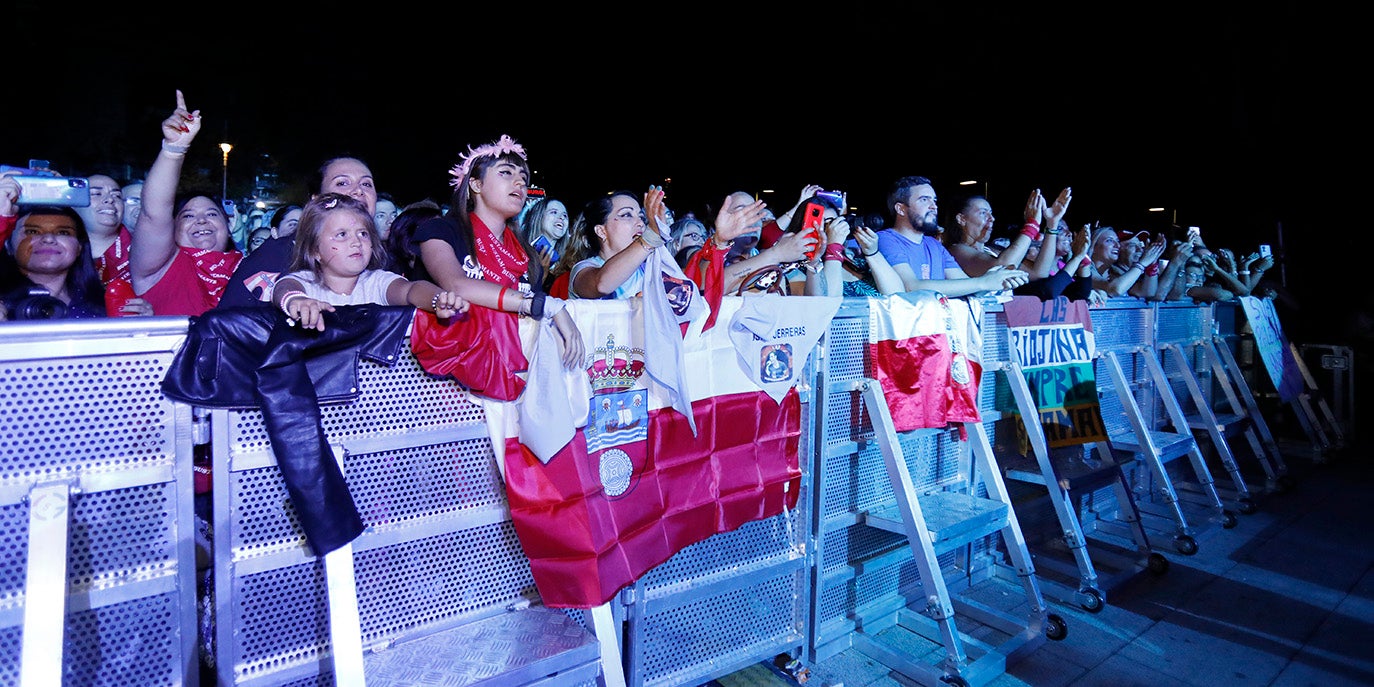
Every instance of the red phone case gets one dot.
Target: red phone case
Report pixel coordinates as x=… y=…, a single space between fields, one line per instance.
x=813 y=220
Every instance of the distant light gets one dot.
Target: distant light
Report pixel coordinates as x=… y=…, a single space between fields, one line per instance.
x=1156 y=210
x=970 y=182
x=261 y=205
x=226 y=148
x=768 y=190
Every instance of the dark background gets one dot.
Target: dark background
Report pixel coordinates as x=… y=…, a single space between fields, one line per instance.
x=1235 y=121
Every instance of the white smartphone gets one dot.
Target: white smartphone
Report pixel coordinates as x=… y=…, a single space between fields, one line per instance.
x=1265 y=251
x=1194 y=234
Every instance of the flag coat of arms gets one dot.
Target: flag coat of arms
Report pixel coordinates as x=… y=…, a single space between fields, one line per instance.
x=1053 y=343
x=635 y=484
x=926 y=354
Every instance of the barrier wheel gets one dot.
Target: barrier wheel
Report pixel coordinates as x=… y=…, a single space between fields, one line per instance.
x=1283 y=483
x=1158 y=564
x=1092 y=600
x=1056 y=628
x=1185 y=544
x=1228 y=520
x=1247 y=507
x=954 y=680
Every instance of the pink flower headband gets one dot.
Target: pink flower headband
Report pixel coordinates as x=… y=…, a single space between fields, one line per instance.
x=503 y=146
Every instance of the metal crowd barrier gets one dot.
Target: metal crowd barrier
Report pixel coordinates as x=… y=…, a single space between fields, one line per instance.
x=97 y=583
x=85 y=425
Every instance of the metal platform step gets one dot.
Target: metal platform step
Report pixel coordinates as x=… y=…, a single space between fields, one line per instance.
x=518 y=648
x=952 y=519
x=1169 y=444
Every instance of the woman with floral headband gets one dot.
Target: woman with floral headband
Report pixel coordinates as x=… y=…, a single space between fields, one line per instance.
x=476 y=251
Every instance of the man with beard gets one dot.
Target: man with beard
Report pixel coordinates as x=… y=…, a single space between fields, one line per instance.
x=912 y=246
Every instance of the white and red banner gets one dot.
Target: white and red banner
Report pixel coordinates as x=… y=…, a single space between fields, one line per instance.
x=926 y=352
x=634 y=484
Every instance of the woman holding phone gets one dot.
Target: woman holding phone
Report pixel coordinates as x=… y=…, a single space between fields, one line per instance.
x=545 y=227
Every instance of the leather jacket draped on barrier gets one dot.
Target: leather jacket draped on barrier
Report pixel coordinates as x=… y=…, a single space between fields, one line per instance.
x=249 y=358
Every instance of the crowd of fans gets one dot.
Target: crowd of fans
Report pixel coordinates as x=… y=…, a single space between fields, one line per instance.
x=145 y=249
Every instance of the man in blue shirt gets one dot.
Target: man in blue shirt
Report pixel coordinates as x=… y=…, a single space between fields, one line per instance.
x=912 y=246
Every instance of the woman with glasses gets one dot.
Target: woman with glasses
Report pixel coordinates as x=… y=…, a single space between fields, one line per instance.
x=688 y=234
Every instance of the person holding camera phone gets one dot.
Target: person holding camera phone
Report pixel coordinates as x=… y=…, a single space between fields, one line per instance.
x=851 y=265
x=181 y=257
x=45 y=269
x=742 y=259
x=545 y=226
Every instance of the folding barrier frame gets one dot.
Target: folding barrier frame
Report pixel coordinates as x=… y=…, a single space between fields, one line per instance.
x=906 y=525
x=1061 y=477
x=434 y=563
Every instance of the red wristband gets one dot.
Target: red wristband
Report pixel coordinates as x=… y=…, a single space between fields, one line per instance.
x=1152 y=270
x=1030 y=230
x=501 y=299
x=834 y=251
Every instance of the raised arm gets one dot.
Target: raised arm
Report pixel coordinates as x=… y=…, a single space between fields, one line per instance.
x=596 y=282
x=154 y=239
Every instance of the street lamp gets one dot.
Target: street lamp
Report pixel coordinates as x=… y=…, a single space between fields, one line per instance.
x=224 y=189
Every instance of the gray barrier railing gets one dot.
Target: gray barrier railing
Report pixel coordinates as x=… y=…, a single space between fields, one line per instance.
x=440 y=551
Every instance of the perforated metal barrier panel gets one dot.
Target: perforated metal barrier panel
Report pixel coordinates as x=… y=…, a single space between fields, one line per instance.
x=81 y=408
x=439 y=550
x=863 y=569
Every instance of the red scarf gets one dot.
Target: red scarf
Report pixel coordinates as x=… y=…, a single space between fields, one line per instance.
x=706 y=268
x=503 y=262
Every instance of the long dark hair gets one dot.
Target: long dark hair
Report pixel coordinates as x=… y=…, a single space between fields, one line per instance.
x=82 y=282
x=462 y=204
x=956 y=234
x=582 y=239
x=404 y=255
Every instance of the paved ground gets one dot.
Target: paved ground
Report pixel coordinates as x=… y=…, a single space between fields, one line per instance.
x=1285 y=598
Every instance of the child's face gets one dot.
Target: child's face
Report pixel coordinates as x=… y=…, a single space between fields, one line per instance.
x=345 y=244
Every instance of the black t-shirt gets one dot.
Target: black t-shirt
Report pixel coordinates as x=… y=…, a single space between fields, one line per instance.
x=446 y=230
x=257 y=272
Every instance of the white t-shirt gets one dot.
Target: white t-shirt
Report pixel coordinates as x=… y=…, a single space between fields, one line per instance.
x=371 y=288
x=632 y=287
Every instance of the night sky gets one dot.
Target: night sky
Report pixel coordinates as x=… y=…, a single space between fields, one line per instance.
x=1233 y=122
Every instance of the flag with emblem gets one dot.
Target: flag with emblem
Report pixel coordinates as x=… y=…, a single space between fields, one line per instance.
x=925 y=349
x=636 y=484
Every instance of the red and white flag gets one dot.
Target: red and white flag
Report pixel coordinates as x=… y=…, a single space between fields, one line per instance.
x=925 y=350
x=635 y=484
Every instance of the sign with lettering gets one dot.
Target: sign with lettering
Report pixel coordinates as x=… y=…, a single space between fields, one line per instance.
x=1053 y=343
x=1273 y=348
